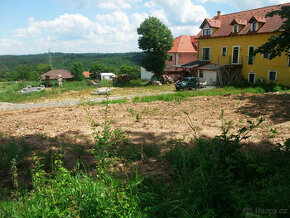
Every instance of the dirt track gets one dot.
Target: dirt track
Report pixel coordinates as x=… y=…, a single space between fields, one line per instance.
x=156 y=122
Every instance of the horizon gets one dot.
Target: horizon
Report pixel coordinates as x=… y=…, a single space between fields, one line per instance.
x=98 y=26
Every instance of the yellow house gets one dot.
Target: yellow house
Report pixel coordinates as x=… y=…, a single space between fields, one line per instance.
x=228 y=42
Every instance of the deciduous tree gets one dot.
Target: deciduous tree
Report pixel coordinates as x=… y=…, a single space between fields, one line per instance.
x=77 y=71
x=155 y=40
x=97 y=67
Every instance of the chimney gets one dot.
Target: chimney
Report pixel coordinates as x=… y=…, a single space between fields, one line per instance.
x=218 y=13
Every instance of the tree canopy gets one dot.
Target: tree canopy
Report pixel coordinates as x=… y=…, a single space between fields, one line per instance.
x=77 y=71
x=132 y=71
x=278 y=44
x=155 y=40
x=97 y=67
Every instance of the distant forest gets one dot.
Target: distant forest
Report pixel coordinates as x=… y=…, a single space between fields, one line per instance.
x=9 y=63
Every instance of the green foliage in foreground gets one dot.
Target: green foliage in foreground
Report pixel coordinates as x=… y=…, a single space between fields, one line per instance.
x=79 y=195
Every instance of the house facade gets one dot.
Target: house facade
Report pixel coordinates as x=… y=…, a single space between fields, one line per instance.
x=228 y=42
x=183 y=51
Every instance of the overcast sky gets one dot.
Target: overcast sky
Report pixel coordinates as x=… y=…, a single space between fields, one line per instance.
x=100 y=26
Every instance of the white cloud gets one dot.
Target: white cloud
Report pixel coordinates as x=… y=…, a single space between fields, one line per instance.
x=114 y=32
x=107 y=4
x=178 y=12
x=247 y=4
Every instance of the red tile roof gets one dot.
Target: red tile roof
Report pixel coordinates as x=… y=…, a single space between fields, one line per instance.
x=258 y=19
x=184 y=44
x=239 y=22
x=53 y=74
x=211 y=22
x=270 y=23
x=86 y=74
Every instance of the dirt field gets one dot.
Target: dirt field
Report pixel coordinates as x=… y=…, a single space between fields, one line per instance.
x=157 y=122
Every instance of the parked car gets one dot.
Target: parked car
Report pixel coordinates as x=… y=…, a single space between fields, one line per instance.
x=187 y=83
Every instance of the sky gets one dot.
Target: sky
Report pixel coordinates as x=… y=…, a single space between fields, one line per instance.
x=101 y=26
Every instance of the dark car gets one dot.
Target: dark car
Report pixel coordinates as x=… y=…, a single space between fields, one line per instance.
x=188 y=83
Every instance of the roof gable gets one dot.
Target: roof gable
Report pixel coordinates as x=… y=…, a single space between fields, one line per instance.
x=239 y=22
x=211 y=22
x=184 y=44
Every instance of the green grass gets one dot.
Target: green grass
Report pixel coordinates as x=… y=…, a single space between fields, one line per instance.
x=117 y=101
x=182 y=95
x=9 y=92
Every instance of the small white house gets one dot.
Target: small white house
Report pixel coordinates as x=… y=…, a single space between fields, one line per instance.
x=208 y=73
x=107 y=76
x=146 y=75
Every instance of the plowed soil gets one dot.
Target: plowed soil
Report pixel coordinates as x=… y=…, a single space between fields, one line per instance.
x=156 y=122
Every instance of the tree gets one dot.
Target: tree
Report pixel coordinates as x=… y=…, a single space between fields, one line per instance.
x=155 y=40
x=77 y=71
x=132 y=71
x=40 y=69
x=278 y=44
x=97 y=67
x=23 y=72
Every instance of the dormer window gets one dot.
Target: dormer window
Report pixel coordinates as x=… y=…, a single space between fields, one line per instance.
x=238 y=25
x=254 y=26
x=235 y=28
x=257 y=23
x=210 y=26
x=206 y=32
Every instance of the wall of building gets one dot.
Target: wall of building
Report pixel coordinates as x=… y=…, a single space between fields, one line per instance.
x=261 y=66
x=209 y=76
x=182 y=58
x=146 y=75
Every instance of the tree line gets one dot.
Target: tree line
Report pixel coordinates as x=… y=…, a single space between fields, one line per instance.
x=31 y=73
x=29 y=67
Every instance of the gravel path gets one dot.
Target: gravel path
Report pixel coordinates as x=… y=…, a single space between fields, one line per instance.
x=66 y=103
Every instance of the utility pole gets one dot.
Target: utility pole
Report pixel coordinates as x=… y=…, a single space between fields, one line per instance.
x=49 y=58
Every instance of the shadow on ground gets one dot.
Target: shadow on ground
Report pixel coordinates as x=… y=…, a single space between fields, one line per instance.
x=276 y=107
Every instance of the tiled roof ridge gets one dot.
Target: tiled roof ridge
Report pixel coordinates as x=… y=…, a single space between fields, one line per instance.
x=284 y=4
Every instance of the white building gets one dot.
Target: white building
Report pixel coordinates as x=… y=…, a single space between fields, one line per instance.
x=146 y=75
x=107 y=76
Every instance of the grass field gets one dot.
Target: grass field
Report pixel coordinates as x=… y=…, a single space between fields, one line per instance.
x=70 y=90
x=81 y=90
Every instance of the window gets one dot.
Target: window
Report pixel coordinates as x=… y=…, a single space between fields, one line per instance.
x=266 y=55
x=254 y=26
x=224 y=51
x=251 y=55
x=272 y=75
x=236 y=51
x=170 y=58
x=206 y=32
x=200 y=74
x=206 y=54
x=235 y=28
x=251 y=78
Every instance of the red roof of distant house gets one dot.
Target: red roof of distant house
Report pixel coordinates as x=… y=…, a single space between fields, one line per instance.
x=270 y=24
x=86 y=74
x=53 y=74
x=184 y=44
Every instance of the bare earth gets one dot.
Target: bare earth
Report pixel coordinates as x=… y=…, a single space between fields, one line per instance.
x=156 y=122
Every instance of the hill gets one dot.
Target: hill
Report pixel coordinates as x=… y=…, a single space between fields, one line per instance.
x=8 y=63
